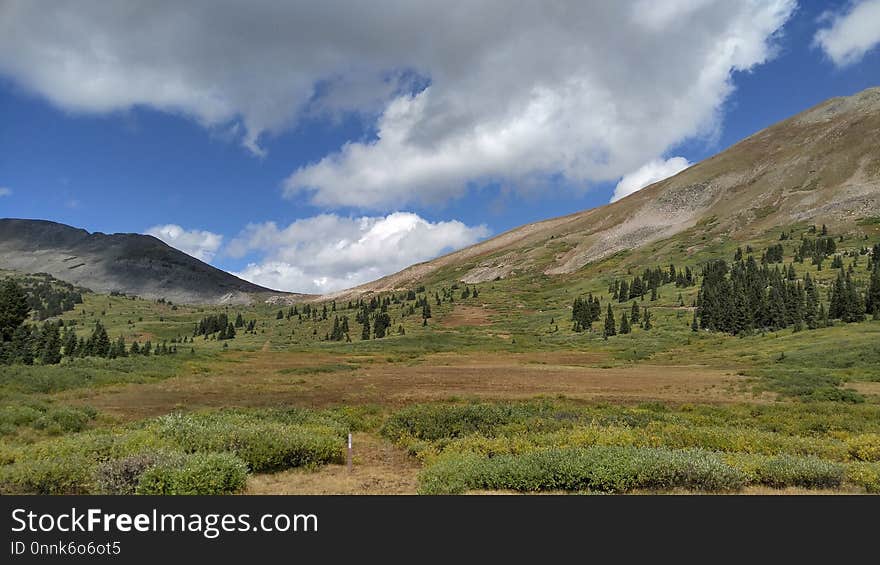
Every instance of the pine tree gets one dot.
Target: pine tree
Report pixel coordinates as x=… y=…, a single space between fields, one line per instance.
x=120 y=347
x=70 y=343
x=22 y=346
x=623 y=294
x=14 y=308
x=624 y=323
x=51 y=351
x=634 y=313
x=610 y=330
x=365 y=332
x=872 y=298
x=646 y=319
x=99 y=342
x=811 y=301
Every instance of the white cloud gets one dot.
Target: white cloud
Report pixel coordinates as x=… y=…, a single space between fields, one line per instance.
x=851 y=35
x=328 y=252
x=649 y=173
x=202 y=245
x=5 y=191
x=518 y=92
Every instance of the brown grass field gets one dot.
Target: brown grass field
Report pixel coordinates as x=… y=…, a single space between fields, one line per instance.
x=318 y=380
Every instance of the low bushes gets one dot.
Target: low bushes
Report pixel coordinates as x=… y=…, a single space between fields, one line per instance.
x=789 y=471
x=263 y=444
x=564 y=446
x=121 y=476
x=605 y=469
x=67 y=465
x=69 y=474
x=198 y=473
x=865 y=447
x=54 y=420
x=436 y=421
x=200 y=453
x=865 y=475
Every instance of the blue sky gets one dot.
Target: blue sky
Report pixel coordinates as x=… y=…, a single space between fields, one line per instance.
x=154 y=138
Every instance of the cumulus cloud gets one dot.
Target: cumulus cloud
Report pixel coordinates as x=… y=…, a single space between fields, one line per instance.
x=201 y=244
x=649 y=173
x=329 y=252
x=851 y=34
x=518 y=91
x=5 y=191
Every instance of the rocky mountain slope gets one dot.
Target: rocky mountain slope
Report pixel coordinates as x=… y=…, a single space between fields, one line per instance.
x=131 y=263
x=821 y=165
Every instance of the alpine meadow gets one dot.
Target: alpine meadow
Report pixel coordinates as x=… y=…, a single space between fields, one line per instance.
x=714 y=328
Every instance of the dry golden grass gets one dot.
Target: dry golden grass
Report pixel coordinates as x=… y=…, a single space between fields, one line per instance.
x=259 y=379
x=467 y=316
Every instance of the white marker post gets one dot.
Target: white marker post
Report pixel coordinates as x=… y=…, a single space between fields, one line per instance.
x=348 y=460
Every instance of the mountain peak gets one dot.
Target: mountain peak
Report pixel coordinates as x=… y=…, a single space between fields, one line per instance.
x=131 y=263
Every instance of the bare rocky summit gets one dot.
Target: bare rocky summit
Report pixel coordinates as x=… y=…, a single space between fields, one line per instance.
x=133 y=264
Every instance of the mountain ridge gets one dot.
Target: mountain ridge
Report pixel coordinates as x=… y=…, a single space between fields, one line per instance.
x=821 y=163
x=129 y=263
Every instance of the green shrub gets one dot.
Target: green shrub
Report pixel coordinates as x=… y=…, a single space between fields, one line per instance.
x=64 y=419
x=601 y=468
x=195 y=474
x=66 y=465
x=865 y=475
x=263 y=445
x=789 y=471
x=58 y=475
x=865 y=447
x=43 y=416
x=121 y=476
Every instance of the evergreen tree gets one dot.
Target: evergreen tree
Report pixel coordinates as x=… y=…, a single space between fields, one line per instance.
x=624 y=323
x=646 y=319
x=51 y=351
x=610 y=330
x=811 y=302
x=120 y=347
x=14 y=308
x=22 y=346
x=872 y=298
x=381 y=323
x=99 y=342
x=634 y=313
x=70 y=343
x=365 y=332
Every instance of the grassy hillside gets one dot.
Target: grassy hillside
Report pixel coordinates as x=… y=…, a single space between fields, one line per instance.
x=494 y=392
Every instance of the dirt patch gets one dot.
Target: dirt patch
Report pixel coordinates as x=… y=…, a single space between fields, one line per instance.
x=467 y=316
x=257 y=379
x=864 y=387
x=378 y=467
